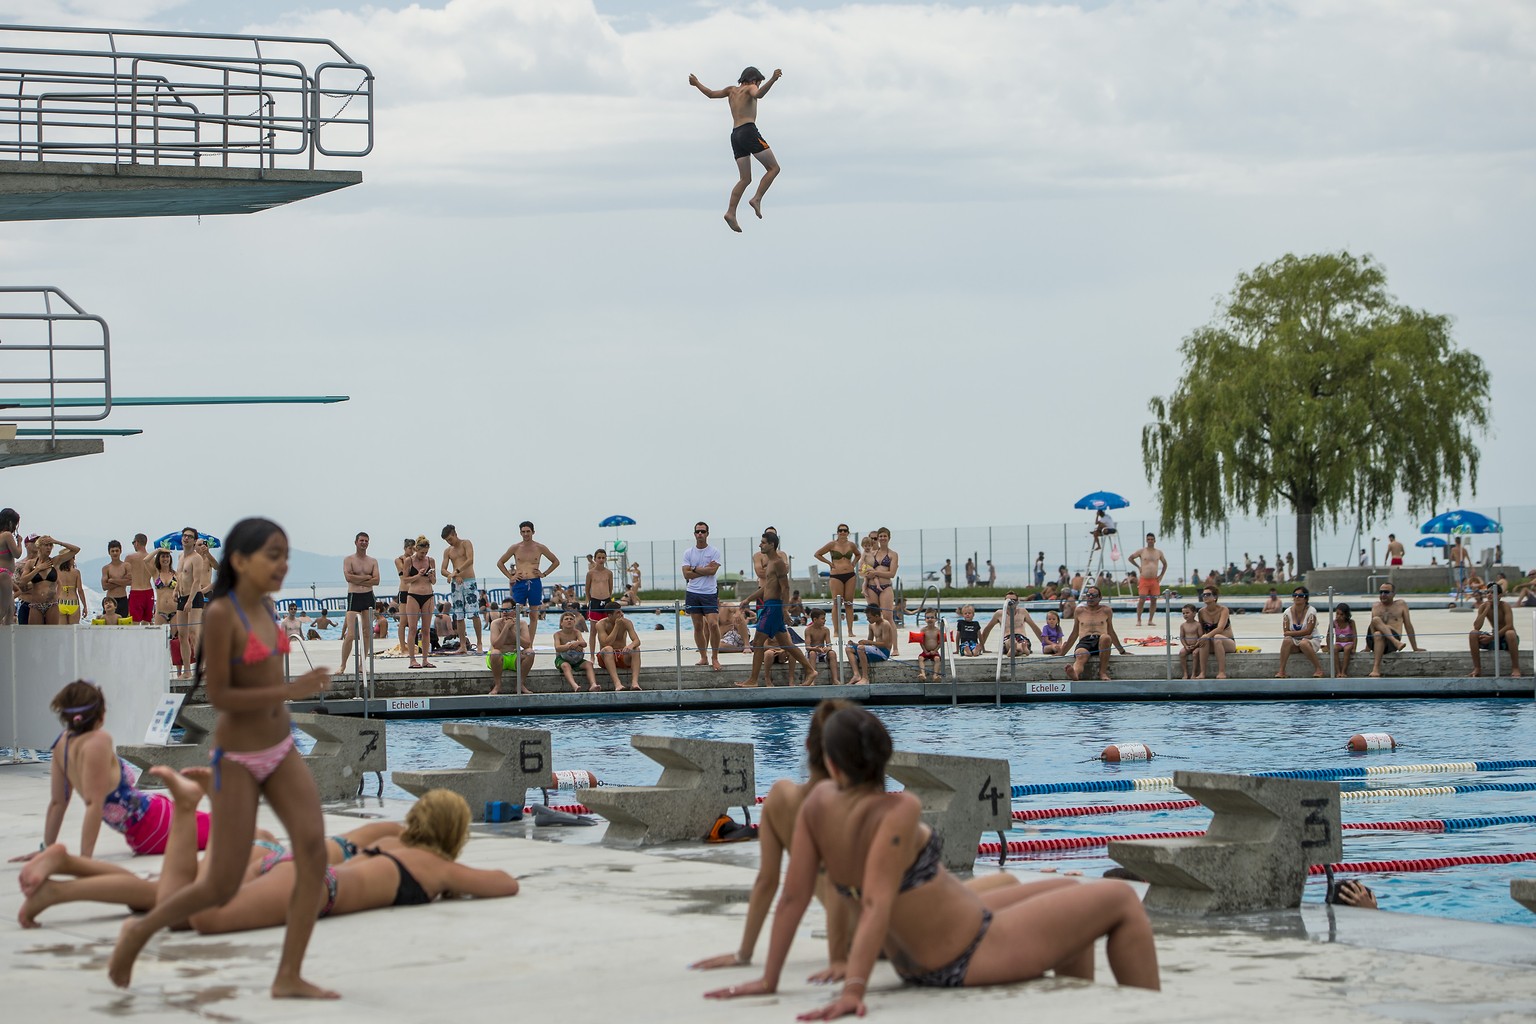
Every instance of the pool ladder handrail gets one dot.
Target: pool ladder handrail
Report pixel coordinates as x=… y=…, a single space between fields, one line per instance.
x=288 y=675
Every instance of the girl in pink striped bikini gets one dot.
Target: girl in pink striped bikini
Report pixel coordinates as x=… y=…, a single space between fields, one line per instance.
x=253 y=755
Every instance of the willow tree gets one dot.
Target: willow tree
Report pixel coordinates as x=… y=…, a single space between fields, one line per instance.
x=1313 y=389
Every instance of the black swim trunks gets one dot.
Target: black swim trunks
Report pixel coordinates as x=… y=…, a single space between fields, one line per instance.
x=360 y=602
x=746 y=140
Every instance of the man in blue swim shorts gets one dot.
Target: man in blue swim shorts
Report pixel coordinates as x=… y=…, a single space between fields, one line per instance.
x=771 y=629
x=746 y=141
x=527 y=574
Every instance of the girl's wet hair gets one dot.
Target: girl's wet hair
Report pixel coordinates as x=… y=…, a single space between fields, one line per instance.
x=9 y=519
x=80 y=706
x=857 y=743
x=750 y=74
x=439 y=822
x=246 y=537
x=1343 y=610
x=813 y=736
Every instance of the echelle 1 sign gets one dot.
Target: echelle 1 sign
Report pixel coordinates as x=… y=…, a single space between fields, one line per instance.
x=1048 y=688
x=408 y=704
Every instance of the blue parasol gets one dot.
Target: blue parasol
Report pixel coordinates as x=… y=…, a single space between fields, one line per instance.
x=1430 y=542
x=172 y=541
x=619 y=547
x=1461 y=521
x=1101 y=499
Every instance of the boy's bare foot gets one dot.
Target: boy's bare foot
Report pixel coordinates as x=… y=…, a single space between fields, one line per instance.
x=810 y=680
x=130 y=941
x=716 y=665
x=38 y=900
x=39 y=868
x=1071 y=671
x=746 y=684
x=731 y=220
x=1375 y=675
x=757 y=206
x=184 y=792
x=575 y=688
x=1104 y=676
x=298 y=988
x=634 y=686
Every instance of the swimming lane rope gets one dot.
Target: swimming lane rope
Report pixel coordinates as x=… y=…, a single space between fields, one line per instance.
x=1313 y=774
x=1091 y=842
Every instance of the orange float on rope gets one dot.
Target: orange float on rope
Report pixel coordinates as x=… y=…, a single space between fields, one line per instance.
x=577 y=779
x=1363 y=741
x=1126 y=752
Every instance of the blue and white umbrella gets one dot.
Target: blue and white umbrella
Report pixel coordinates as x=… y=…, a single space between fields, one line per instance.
x=172 y=541
x=1101 y=499
x=1430 y=542
x=619 y=546
x=1461 y=521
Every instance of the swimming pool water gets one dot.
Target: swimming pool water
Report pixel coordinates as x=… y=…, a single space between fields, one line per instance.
x=1060 y=743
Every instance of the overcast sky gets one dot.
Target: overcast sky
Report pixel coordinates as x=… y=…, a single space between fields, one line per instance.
x=995 y=224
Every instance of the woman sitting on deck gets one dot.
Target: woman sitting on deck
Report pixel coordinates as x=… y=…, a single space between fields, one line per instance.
x=936 y=932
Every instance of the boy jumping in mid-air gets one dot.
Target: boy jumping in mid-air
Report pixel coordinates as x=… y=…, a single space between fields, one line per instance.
x=746 y=141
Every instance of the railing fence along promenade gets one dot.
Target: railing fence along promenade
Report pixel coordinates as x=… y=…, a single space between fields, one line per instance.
x=129 y=96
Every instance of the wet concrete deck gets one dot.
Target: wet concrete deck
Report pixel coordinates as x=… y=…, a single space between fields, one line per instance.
x=599 y=934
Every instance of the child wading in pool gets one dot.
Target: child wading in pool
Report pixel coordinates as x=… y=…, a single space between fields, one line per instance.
x=746 y=141
x=253 y=757
x=571 y=652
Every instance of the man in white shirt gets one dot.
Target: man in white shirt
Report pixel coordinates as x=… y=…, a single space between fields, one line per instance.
x=700 y=564
x=1103 y=526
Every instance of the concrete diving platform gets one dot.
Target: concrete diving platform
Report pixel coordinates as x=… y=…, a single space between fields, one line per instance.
x=60 y=190
x=30 y=451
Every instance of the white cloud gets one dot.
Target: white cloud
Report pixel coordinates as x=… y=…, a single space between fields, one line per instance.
x=992 y=218
x=1181 y=95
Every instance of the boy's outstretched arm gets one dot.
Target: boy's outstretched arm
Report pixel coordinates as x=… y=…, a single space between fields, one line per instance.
x=762 y=90
x=714 y=94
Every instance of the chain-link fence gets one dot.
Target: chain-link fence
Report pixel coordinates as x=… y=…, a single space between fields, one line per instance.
x=1007 y=555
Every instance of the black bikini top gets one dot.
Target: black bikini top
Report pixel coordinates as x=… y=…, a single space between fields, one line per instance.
x=923 y=870
x=409 y=893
